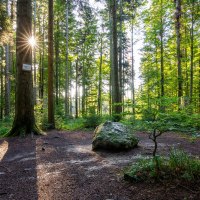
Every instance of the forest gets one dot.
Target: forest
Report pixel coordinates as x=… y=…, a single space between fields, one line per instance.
x=72 y=70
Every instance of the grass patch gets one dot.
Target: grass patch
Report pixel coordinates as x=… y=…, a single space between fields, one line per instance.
x=70 y=124
x=179 y=165
x=5 y=126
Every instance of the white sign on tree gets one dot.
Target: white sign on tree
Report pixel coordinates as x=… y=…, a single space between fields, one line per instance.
x=26 y=67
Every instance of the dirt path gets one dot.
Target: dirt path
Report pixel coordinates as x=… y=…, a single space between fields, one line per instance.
x=61 y=166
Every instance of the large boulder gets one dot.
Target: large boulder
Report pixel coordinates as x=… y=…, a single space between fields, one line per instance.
x=114 y=136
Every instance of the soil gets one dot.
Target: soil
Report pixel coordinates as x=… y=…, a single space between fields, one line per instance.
x=62 y=166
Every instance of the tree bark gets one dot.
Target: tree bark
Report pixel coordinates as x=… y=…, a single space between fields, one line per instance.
x=116 y=107
x=178 y=50
x=1 y=82
x=162 y=78
x=51 y=120
x=132 y=71
x=34 y=56
x=76 y=91
x=24 y=122
x=67 y=63
x=120 y=53
x=192 y=54
x=57 y=59
x=99 y=100
x=7 y=74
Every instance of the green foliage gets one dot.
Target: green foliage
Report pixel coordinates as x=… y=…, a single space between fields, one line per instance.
x=69 y=124
x=183 y=165
x=92 y=120
x=173 y=121
x=4 y=24
x=5 y=126
x=179 y=165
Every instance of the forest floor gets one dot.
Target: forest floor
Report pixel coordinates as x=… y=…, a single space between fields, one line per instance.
x=62 y=166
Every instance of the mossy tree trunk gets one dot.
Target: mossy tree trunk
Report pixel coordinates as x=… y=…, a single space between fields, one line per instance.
x=24 y=122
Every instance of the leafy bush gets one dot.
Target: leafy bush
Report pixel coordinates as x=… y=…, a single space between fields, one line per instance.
x=92 y=120
x=174 y=121
x=179 y=165
x=70 y=124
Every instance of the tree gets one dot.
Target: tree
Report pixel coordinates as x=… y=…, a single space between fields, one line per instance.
x=24 y=122
x=178 y=49
x=116 y=107
x=51 y=120
x=67 y=62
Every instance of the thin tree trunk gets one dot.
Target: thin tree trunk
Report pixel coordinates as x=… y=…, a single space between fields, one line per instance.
x=192 y=53
x=120 y=53
x=57 y=55
x=76 y=91
x=1 y=82
x=99 y=100
x=84 y=109
x=199 y=84
x=132 y=71
x=34 y=57
x=7 y=74
x=178 y=49
x=7 y=81
x=111 y=61
x=51 y=120
x=162 y=78
x=186 y=66
x=67 y=63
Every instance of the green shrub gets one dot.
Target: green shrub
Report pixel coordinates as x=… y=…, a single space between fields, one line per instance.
x=5 y=126
x=179 y=165
x=92 y=120
x=70 y=124
x=183 y=165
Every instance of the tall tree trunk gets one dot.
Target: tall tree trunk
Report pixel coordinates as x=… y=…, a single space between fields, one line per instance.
x=186 y=70
x=7 y=75
x=192 y=53
x=76 y=91
x=111 y=61
x=42 y=62
x=99 y=100
x=132 y=71
x=84 y=109
x=34 y=56
x=51 y=120
x=67 y=63
x=199 y=83
x=162 y=78
x=178 y=49
x=24 y=122
x=57 y=59
x=1 y=82
x=7 y=81
x=116 y=107
x=120 y=53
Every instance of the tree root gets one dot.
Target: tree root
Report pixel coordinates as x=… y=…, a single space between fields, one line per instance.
x=23 y=130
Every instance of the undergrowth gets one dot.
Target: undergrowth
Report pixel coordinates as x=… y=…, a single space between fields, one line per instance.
x=5 y=125
x=179 y=165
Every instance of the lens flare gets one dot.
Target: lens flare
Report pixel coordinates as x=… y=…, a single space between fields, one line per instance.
x=32 y=41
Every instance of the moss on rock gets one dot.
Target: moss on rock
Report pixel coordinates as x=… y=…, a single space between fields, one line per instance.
x=113 y=136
